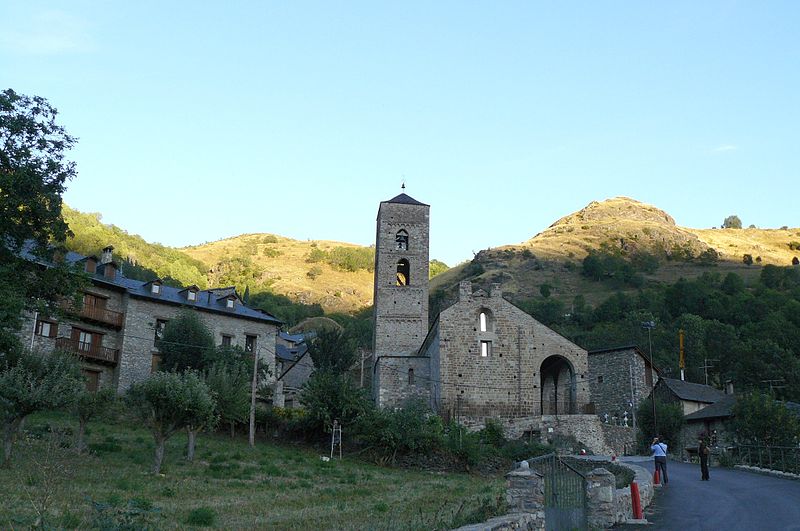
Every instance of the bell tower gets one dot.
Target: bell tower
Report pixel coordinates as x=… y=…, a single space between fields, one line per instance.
x=401 y=276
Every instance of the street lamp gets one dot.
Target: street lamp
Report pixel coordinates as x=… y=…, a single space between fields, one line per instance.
x=649 y=325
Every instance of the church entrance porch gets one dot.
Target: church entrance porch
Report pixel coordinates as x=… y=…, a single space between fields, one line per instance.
x=558 y=385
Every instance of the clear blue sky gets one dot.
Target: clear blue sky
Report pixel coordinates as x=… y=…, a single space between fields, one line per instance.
x=202 y=120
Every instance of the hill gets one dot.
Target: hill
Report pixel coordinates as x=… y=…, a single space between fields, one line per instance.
x=337 y=276
x=622 y=227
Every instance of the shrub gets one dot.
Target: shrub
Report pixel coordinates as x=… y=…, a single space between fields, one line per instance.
x=411 y=429
x=202 y=516
x=328 y=397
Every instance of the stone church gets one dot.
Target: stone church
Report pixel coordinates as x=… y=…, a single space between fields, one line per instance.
x=482 y=358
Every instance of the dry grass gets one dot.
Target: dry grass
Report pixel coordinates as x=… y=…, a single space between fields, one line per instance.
x=282 y=261
x=269 y=487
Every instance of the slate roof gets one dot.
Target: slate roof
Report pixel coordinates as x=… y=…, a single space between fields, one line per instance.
x=692 y=391
x=405 y=200
x=723 y=408
x=211 y=300
x=285 y=353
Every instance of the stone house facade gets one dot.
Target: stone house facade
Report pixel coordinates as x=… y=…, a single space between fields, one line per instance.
x=293 y=368
x=115 y=331
x=619 y=379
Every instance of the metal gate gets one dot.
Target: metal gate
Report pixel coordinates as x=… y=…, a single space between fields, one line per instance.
x=564 y=494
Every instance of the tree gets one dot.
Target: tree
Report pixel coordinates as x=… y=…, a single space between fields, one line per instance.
x=760 y=419
x=669 y=418
x=333 y=351
x=33 y=173
x=168 y=402
x=30 y=382
x=328 y=397
x=88 y=405
x=545 y=290
x=732 y=222
x=231 y=387
x=185 y=343
x=436 y=267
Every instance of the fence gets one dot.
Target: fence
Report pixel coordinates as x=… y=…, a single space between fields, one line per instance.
x=783 y=458
x=564 y=493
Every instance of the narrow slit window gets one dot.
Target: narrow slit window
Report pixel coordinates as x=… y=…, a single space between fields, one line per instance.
x=411 y=376
x=486 y=349
x=403 y=273
x=483 y=322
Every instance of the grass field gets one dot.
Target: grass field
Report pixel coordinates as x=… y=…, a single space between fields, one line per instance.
x=229 y=486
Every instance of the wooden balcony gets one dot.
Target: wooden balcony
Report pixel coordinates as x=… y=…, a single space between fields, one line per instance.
x=90 y=351
x=101 y=315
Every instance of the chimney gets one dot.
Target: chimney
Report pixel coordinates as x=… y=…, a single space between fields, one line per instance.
x=107 y=257
x=464 y=290
x=495 y=291
x=729 y=387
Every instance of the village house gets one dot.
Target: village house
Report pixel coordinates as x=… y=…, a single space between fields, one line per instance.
x=293 y=368
x=115 y=331
x=619 y=380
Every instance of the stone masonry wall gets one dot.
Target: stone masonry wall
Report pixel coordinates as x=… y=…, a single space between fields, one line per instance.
x=612 y=387
x=139 y=332
x=507 y=382
x=587 y=429
x=392 y=380
x=401 y=312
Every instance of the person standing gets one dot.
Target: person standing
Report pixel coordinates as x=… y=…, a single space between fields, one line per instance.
x=659 y=450
x=704 y=453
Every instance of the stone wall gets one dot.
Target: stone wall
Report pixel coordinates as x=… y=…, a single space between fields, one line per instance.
x=525 y=497
x=617 y=378
x=394 y=385
x=507 y=382
x=587 y=429
x=621 y=439
x=608 y=505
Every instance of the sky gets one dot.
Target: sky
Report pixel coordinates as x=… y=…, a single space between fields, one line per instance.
x=203 y=120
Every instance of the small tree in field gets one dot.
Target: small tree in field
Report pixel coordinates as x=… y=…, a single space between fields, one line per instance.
x=185 y=343
x=732 y=222
x=88 y=406
x=168 y=402
x=231 y=387
x=31 y=382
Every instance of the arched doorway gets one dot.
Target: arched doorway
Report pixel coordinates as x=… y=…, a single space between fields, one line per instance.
x=557 y=379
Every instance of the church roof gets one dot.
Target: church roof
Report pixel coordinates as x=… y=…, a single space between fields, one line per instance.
x=405 y=200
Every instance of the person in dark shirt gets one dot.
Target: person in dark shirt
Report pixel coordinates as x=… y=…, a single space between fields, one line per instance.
x=704 y=453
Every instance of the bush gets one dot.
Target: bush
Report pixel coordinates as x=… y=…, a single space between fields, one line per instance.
x=202 y=516
x=411 y=429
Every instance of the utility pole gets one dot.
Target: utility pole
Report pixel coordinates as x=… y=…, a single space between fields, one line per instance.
x=633 y=395
x=649 y=325
x=364 y=356
x=682 y=359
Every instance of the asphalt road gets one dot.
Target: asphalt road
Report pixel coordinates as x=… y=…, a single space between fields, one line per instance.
x=732 y=500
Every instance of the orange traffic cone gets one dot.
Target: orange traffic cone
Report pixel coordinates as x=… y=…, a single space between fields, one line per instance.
x=656 y=478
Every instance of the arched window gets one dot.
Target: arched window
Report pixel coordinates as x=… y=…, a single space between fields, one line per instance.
x=485 y=323
x=401 y=239
x=403 y=273
x=411 y=376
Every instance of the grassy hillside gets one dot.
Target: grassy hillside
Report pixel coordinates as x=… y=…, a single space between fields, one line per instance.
x=144 y=259
x=630 y=229
x=338 y=276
